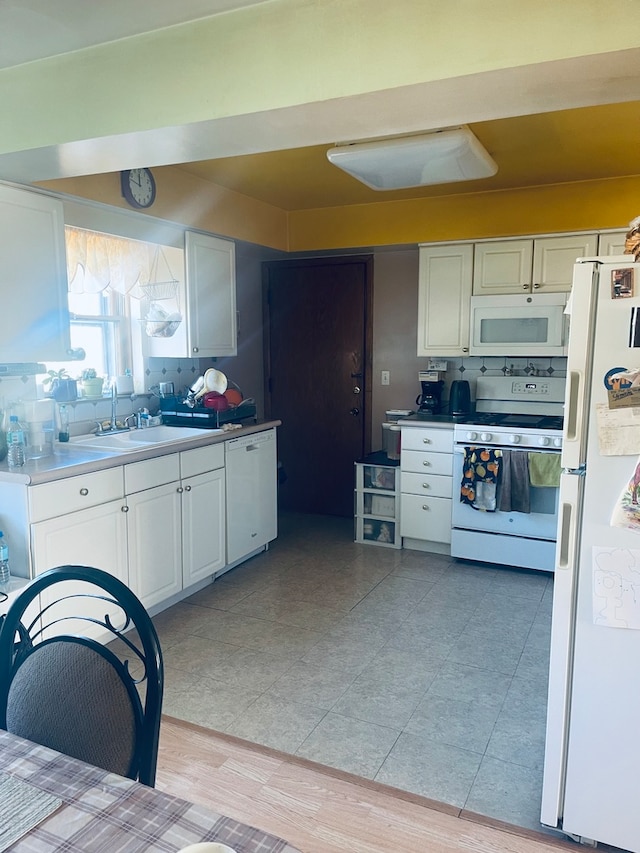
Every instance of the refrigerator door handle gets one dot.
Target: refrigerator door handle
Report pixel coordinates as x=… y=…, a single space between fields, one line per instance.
x=574 y=408
x=561 y=656
x=583 y=304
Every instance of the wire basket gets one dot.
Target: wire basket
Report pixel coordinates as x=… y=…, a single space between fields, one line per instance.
x=160 y=290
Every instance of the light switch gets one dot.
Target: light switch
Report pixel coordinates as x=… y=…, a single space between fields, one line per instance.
x=384 y=379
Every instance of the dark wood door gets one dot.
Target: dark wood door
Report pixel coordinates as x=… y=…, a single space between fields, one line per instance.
x=317 y=364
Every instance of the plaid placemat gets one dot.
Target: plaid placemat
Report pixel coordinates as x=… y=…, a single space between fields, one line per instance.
x=21 y=808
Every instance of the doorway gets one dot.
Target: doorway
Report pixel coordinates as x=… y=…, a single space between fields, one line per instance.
x=318 y=330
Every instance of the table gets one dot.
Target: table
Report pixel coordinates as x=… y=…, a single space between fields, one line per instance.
x=105 y=812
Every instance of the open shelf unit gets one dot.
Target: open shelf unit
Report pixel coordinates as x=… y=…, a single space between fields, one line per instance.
x=377 y=501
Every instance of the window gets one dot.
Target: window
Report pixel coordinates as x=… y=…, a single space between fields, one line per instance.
x=100 y=324
x=106 y=277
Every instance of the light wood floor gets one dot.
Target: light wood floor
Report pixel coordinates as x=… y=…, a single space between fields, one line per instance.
x=320 y=810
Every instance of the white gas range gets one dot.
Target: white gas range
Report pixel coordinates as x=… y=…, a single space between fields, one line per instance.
x=517 y=525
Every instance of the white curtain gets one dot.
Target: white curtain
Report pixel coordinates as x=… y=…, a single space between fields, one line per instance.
x=97 y=261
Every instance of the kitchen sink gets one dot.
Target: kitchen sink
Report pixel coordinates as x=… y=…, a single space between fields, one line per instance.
x=138 y=439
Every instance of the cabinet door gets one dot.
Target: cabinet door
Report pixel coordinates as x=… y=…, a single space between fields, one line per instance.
x=444 y=294
x=554 y=257
x=425 y=518
x=155 y=543
x=34 y=321
x=203 y=526
x=211 y=295
x=502 y=267
x=612 y=244
x=94 y=537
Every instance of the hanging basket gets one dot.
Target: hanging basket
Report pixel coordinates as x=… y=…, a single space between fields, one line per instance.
x=159 y=290
x=158 y=321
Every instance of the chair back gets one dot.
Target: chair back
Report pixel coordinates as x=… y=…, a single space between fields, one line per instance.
x=96 y=694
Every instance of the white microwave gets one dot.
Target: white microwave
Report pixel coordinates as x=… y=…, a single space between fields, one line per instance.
x=526 y=325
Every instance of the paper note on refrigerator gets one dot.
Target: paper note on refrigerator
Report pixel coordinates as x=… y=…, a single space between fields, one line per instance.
x=618 y=430
x=616 y=587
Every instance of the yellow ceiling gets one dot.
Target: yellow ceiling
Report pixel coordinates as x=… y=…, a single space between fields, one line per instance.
x=555 y=147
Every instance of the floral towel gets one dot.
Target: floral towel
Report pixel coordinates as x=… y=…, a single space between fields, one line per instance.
x=480 y=471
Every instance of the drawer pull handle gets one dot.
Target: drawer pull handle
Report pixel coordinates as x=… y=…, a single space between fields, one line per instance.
x=426 y=441
x=426 y=464
x=425 y=486
x=424 y=506
x=84 y=492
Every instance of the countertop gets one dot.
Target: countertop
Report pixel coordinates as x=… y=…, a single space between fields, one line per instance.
x=69 y=460
x=427 y=420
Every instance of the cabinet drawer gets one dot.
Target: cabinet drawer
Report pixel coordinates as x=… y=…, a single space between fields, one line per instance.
x=139 y=476
x=423 y=518
x=427 y=484
x=436 y=440
x=432 y=463
x=201 y=459
x=50 y=500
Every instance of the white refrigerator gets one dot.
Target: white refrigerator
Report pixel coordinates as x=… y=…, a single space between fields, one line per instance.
x=591 y=787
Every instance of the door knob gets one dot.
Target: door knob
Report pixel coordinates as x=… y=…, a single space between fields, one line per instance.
x=354 y=411
x=356 y=389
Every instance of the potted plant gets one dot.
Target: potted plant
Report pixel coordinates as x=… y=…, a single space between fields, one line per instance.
x=59 y=385
x=91 y=383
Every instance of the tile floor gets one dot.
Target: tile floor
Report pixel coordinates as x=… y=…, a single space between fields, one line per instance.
x=404 y=667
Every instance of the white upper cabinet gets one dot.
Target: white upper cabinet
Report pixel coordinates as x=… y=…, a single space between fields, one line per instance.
x=554 y=257
x=34 y=321
x=543 y=265
x=444 y=299
x=211 y=296
x=204 y=301
x=502 y=267
x=612 y=243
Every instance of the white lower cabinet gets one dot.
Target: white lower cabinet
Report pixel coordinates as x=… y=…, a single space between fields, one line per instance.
x=175 y=521
x=155 y=543
x=159 y=525
x=203 y=513
x=68 y=530
x=426 y=464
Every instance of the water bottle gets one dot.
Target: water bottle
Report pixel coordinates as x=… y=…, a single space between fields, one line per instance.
x=63 y=433
x=15 y=443
x=4 y=559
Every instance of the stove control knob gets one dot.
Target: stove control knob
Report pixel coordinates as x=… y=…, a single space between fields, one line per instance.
x=485 y=436
x=514 y=439
x=543 y=440
x=557 y=442
x=471 y=436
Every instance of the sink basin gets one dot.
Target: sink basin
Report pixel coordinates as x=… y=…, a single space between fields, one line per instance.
x=138 y=439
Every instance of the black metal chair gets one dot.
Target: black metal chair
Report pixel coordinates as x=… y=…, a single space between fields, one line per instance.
x=98 y=697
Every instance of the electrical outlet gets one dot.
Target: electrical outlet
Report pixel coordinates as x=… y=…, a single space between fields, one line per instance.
x=384 y=378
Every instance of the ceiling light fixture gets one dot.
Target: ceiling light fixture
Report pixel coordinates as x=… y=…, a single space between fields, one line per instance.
x=440 y=157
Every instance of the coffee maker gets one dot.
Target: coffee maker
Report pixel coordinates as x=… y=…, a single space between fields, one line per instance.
x=428 y=401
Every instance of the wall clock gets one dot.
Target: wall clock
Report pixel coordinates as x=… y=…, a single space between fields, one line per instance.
x=138 y=187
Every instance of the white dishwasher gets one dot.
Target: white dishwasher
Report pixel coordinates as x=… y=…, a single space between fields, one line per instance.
x=252 y=512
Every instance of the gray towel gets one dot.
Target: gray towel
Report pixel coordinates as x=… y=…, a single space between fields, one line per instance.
x=514 y=482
